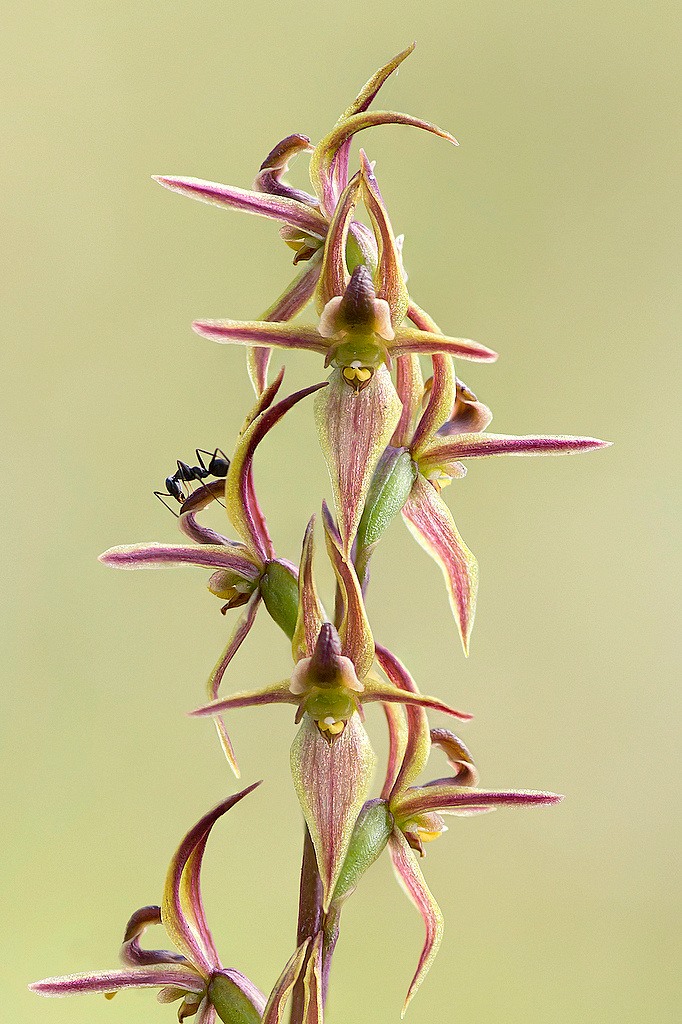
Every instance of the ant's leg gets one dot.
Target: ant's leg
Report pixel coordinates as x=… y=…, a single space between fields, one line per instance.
x=162 y=498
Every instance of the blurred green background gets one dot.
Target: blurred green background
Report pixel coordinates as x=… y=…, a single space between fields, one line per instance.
x=552 y=235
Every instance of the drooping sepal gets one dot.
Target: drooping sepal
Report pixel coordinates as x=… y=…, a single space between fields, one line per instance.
x=430 y=521
x=412 y=882
x=331 y=779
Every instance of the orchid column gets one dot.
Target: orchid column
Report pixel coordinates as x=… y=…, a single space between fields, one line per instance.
x=392 y=442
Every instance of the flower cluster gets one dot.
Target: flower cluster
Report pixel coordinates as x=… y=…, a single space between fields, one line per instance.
x=392 y=442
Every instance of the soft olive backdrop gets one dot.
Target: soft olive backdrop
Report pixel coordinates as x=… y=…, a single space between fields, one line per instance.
x=551 y=234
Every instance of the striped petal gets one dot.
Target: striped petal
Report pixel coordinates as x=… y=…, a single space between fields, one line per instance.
x=446 y=798
x=150 y=555
x=354 y=429
x=261 y=333
x=376 y=690
x=430 y=522
x=275 y=166
x=458 y=756
x=334 y=275
x=182 y=909
x=409 y=339
x=242 y=505
x=357 y=642
x=276 y=693
x=410 y=388
x=418 y=745
x=310 y=612
x=288 y=211
x=151 y=976
x=415 y=888
x=313 y=1008
x=476 y=445
x=389 y=278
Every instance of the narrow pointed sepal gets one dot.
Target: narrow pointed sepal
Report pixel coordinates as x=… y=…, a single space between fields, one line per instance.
x=150 y=976
x=313 y=1008
x=410 y=388
x=480 y=445
x=334 y=275
x=430 y=521
x=331 y=779
x=310 y=612
x=276 y=1005
x=409 y=339
x=277 y=693
x=232 y=557
x=446 y=798
x=354 y=429
x=418 y=744
x=287 y=210
x=357 y=642
x=440 y=403
x=377 y=690
x=411 y=879
x=182 y=910
x=390 y=278
x=261 y=333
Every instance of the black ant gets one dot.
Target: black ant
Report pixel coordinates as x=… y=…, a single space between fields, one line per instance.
x=218 y=465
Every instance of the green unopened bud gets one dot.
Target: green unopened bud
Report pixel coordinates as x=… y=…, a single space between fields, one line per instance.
x=232 y=1005
x=279 y=588
x=389 y=490
x=370 y=835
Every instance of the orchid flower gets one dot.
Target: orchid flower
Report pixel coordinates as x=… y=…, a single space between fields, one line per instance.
x=194 y=974
x=244 y=571
x=306 y=218
x=425 y=455
x=416 y=810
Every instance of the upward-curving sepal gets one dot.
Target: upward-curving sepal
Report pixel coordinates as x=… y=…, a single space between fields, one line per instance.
x=354 y=429
x=389 y=277
x=182 y=910
x=276 y=1005
x=334 y=274
x=357 y=642
x=411 y=879
x=430 y=521
x=310 y=611
x=418 y=740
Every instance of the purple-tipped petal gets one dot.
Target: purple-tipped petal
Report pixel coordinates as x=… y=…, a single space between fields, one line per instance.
x=275 y=166
x=410 y=388
x=292 y=300
x=469 y=446
x=277 y=693
x=242 y=506
x=354 y=430
x=390 y=280
x=261 y=333
x=276 y=1005
x=331 y=780
x=430 y=522
x=409 y=339
x=288 y=211
x=152 y=976
x=206 y=1014
x=239 y=634
x=447 y=798
x=182 y=909
x=144 y=556
x=310 y=612
x=338 y=171
x=415 y=888
x=418 y=744
x=334 y=274
x=357 y=642
x=376 y=690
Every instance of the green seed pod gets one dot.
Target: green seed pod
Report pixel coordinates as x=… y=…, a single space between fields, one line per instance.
x=370 y=835
x=232 y=1004
x=389 y=490
x=279 y=588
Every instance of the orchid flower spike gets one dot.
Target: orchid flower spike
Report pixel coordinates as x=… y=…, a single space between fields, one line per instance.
x=194 y=975
x=246 y=571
